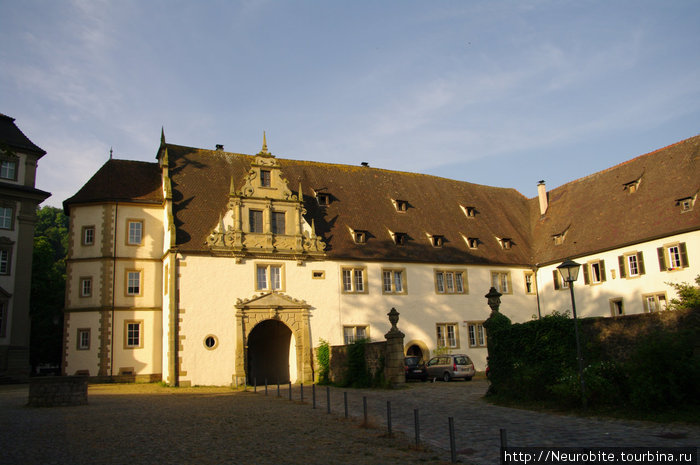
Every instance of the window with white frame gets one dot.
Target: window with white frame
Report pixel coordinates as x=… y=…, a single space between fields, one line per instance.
x=501 y=281
x=83 y=339
x=88 y=236
x=594 y=272
x=6 y=216
x=133 y=282
x=393 y=281
x=654 y=302
x=631 y=265
x=135 y=232
x=559 y=283
x=86 y=287
x=268 y=277
x=447 y=335
x=355 y=333
x=133 y=334
x=354 y=279
x=8 y=169
x=477 y=336
x=450 y=282
x=673 y=256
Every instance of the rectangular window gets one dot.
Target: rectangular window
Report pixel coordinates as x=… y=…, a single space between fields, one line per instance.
x=529 y=282
x=268 y=277
x=354 y=280
x=617 y=307
x=447 y=335
x=594 y=272
x=255 y=220
x=5 y=256
x=3 y=319
x=655 y=302
x=673 y=256
x=88 y=235
x=265 y=178
x=135 y=232
x=278 y=226
x=83 y=339
x=85 y=287
x=450 y=282
x=501 y=281
x=133 y=337
x=133 y=283
x=354 y=333
x=477 y=336
x=8 y=169
x=393 y=281
x=6 y=214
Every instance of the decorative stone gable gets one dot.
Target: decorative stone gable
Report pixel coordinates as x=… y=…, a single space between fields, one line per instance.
x=264 y=218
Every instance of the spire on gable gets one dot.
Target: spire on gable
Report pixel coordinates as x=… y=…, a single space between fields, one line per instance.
x=162 y=136
x=264 y=151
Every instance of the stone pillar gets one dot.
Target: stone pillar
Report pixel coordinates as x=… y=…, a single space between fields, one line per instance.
x=394 y=371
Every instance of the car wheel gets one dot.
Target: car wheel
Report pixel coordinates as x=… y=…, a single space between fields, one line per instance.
x=468 y=378
x=446 y=377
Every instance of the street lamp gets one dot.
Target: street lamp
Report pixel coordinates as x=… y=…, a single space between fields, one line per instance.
x=569 y=273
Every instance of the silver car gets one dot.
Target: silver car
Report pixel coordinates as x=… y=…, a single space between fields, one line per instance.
x=450 y=366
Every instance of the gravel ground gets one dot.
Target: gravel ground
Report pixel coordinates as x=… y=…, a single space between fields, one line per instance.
x=147 y=423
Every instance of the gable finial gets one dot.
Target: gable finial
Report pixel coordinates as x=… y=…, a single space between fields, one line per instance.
x=264 y=147
x=162 y=136
x=110 y=153
x=232 y=190
x=301 y=195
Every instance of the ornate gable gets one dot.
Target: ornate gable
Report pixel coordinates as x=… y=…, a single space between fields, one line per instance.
x=265 y=218
x=271 y=300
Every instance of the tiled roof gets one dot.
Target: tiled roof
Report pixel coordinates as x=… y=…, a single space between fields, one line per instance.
x=361 y=199
x=11 y=135
x=599 y=212
x=121 y=181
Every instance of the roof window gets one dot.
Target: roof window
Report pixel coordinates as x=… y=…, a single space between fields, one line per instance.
x=323 y=198
x=359 y=236
x=437 y=240
x=506 y=243
x=469 y=212
x=400 y=238
x=472 y=242
x=686 y=203
x=400 y=205
x=632 y=186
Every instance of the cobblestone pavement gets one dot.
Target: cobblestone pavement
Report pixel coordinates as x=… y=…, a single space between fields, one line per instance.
x=478 y=423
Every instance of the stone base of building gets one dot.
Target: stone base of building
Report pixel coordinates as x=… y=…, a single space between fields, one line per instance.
x=58 y=391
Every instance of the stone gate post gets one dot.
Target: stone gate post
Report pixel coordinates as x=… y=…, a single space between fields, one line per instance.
x=393 y=358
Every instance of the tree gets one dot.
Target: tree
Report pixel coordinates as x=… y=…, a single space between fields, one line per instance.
x=48 y=286
x=688 y=295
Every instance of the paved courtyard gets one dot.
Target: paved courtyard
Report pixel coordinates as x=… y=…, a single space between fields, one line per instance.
x=150 y=424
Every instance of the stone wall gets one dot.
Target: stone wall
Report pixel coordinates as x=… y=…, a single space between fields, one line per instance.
x=58 y=391
x=374 y=353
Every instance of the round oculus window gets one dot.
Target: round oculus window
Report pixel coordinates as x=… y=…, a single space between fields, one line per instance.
x=210 y=342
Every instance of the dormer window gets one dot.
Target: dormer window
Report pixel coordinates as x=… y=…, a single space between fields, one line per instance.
x=400 y=238
x=265 y=178
x=686 y=203
x=401 y=205
x=360 y=237
x=323 y=198
x=437 y=241
x=469 y=212
x=558 y=239
x=632 y=186
x=506 y=243
x=472 y=242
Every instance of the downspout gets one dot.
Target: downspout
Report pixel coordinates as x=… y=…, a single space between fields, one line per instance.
x=114 y=284
x=537 y=292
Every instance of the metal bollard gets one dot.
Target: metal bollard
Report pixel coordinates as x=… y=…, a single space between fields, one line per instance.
x=416 y=424
x=278 y=387
x=302 y=391
x=290 y=390
x=364 y=408
x=388 y=416
x=345 y=402
x=313 y=396
x=328 y=399
x=453 y=447
x=265 y=386
x=255 y=384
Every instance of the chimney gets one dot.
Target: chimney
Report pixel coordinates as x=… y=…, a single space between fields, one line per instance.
x=219 y=147
x=542 y=194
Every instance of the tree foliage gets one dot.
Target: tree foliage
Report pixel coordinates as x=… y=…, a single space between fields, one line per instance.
x=688 y=295
x=48 y=285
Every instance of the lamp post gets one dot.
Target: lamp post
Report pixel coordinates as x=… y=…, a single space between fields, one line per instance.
x=569 y=273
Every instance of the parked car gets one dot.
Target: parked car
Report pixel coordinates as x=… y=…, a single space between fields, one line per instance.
x=415 y=368
x=450 y=366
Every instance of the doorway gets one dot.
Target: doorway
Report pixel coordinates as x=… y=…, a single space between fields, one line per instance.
x=268 y=353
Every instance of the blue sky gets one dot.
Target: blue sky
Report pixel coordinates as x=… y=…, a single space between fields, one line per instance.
x=502 y=93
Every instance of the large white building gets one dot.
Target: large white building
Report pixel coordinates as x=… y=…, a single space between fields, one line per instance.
x=207 y=266
x=19 y=199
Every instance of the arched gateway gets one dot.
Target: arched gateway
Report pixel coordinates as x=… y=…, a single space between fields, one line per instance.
x=265 y=325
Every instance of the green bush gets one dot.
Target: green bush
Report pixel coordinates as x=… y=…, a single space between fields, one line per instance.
x=323 y=357
x=357 y=374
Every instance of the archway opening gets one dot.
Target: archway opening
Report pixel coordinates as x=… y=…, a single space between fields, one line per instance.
x=416 y=351
x=268 y=353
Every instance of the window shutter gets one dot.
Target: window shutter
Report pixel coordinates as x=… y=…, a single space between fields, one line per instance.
x=556 y=279
x=621 y=264
x=640 y=262
x=684 y=255
x=662 y=259
x=602 y=271
x=585 y=274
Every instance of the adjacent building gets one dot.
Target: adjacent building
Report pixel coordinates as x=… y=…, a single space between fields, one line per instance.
x=211 y=267
x=19 y=200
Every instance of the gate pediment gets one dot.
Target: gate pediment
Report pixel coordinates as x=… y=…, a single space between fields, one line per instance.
x=271 y=300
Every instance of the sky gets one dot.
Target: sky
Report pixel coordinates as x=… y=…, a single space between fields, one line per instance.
x=502 y=93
